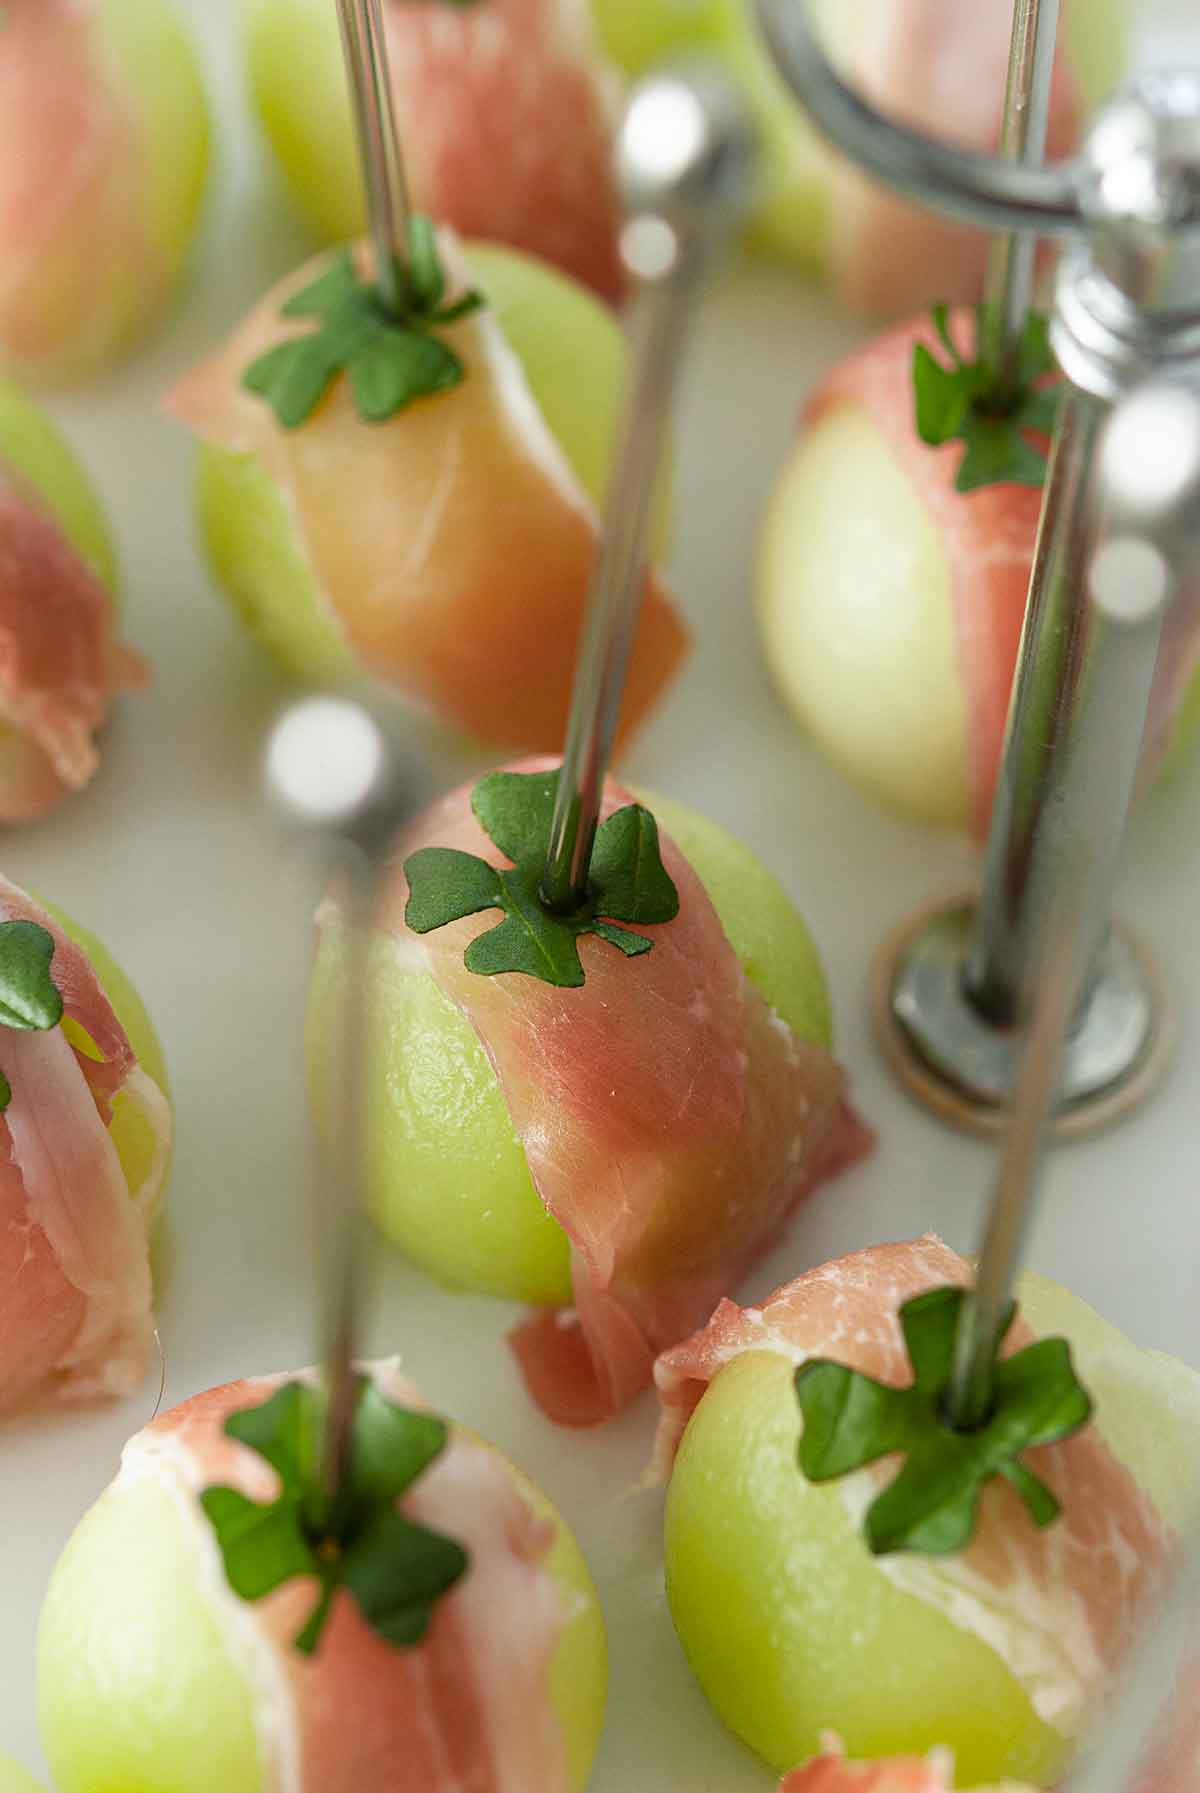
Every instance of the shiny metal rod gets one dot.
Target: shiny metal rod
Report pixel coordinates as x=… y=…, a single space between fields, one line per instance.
x=1008 y=290
x=684 y=159
x=364 y=44
x=1122 y=539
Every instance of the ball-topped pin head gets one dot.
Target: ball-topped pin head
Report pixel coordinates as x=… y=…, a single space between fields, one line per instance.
x=331 y=769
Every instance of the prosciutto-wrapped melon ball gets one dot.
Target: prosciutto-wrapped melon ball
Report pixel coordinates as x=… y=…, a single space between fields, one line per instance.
x=977 y=1599
x=893 y=577
x=60 y=663
x=214 y=1624
x=938 y=67
x=610 y=1115
x=505 y=109
x=416 y=503
x=103 y=157
x=86 y=1124
x=833 y=1773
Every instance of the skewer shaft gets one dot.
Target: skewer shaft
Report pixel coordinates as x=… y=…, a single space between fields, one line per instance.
x=364 y=44
x=1008 y=292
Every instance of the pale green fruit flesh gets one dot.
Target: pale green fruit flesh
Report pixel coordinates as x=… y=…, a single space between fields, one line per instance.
x=13 y=1779
x=789 y=1625
x=294 y=62
x=31 y=444
x=573 y=355
x=857 y=621
x=137 y=1692
x=448 y=1178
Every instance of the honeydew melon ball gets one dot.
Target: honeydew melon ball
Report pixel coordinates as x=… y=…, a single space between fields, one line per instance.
x=573 y=355
x=13 y=1779
x=788 y=1622
x=138 y=1691
x=35 y=451
x=447 y=1177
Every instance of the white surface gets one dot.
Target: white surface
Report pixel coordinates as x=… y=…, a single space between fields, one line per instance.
x=170 y=858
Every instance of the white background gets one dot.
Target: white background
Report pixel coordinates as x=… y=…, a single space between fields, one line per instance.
x=169 y=858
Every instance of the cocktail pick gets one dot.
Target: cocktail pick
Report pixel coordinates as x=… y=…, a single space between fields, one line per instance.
x=332 y=773
x=365 y=47
x=1145 y=491
x=683 y=158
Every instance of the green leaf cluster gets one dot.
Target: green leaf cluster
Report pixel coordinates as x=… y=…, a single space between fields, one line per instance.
x=29 y=998
x=395 y=1570
x=388 y=360
x=627 y=882
x=932 y=1505
x=957 y=402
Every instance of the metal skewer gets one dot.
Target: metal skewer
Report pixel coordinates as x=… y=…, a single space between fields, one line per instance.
x=331 y=772
x=1008 y=292
x=364 y=45
x=683 y=158
x=1129 y=537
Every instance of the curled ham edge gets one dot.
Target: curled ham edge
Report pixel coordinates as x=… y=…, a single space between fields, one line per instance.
x=473 y=1697
x=1054 y=1652
x=55 y=1133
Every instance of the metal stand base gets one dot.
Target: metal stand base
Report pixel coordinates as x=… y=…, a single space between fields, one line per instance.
x=958 y=1063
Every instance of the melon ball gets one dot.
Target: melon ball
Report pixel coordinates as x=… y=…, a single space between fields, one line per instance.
x=13 y=1779
x=794 y=1629
x=154 y=1677
x=103 y=158
x=940 y=68
x=468 y=84
x=448 y=1179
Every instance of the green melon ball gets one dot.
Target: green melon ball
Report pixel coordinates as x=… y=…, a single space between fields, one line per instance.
x=138 y=1691
x=447 y=1176
x=788 y=1623
x=32 y=446
x=573 y=354
x=13 y=1779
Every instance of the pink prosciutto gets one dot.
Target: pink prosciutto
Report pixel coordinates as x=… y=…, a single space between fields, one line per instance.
x=507 y=116
x=832 y=1773
x=60 y=664
x=941 y=69
x=670 y=1120
x=1060 y=1604
x=75 y=1297
x=468 y=1710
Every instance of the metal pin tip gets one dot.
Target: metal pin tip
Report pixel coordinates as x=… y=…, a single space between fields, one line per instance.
x=330 y=768
x=685 y=146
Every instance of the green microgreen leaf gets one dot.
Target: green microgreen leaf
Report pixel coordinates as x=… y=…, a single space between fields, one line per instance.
x=958 y=402
x=932 y=1504
x=5 y=1092
x=29 y=998
x=395 y=1570
x=390 y=361
x=627 y=883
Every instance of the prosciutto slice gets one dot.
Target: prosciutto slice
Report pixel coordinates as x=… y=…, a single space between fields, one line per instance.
x=75 y=1296
x=468 y=1710
x=670 y=1120
x=1060 y=1605
x=453 y=545
x=832 y=1773
x=508 y=117
x=59 y=663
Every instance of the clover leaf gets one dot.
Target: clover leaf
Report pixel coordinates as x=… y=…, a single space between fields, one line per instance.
x=956 y=401
x=389 y=360
x=932 y=1504
x=627 y=882
x=395 y=1571
x=29 y=998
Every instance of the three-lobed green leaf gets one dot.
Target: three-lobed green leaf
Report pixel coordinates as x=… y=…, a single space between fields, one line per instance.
x=627 y=882
x=389 y=360
x=30 y=1000
x=932 y=1505
x=395 y=1570
x=952 y=402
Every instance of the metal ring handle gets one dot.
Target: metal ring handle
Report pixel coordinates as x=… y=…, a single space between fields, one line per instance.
x=987 y=190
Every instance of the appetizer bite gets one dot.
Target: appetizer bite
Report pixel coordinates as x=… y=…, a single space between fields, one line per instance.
x=87 y=1135
x=505 y=108
x=413 y=499
x=975 y=1600
x=60 y=664
x=831 y=1772
x=894 y=567
x=936 y=67
x=609 y=1114
x=103 y=156
x=216 y=1623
